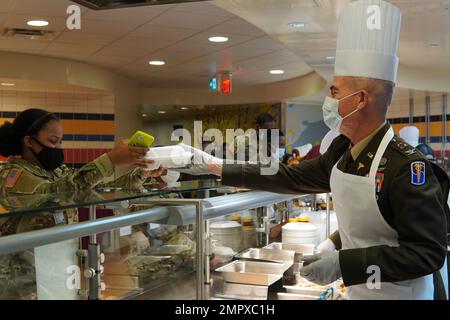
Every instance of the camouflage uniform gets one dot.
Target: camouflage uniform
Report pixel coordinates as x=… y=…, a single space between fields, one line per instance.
x=20 y=178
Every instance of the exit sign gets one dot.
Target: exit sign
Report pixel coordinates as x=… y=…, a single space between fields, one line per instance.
x=221 y=83
x=213 y=84
x=226 y=83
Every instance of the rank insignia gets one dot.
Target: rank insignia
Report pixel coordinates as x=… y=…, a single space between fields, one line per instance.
x=418 y=173
x=370 y=155
x=379 y=181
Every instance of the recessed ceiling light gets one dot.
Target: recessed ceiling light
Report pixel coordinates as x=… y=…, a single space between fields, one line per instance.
x=297 y=25
x=218 y=39
x=276 y=71
x=157 y=63
x=330 y=57
x=7 y=84
x=162 y=112
x=184 y=108
x=37 y=23
x=434 y=45
x=144 y=115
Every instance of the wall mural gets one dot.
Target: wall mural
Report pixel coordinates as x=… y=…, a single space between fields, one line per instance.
x=233 y=117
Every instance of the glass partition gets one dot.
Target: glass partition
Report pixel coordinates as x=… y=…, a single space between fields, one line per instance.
x=19 y=205
x=146 y=261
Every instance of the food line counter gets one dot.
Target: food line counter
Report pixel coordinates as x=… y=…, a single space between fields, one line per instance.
x=98 y=258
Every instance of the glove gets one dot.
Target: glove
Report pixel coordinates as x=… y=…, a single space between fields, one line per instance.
x=326 y=245
x=200 y=161
x=323 y=268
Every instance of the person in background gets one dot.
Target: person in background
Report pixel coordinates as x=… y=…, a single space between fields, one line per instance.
x=264 y=121
x=427 y=151
x=410 y=134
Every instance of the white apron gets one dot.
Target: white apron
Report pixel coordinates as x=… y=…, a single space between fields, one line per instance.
x=361 y=225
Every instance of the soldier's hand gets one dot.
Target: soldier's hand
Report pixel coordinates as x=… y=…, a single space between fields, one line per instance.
x=154 y=173
x=123 y=154
x=142 y=162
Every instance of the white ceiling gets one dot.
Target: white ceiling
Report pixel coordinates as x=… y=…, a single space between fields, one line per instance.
x=424 y=22
x=125 y=40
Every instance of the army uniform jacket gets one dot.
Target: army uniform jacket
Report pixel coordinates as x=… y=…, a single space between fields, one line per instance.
x=19 y=177
x=408 y=194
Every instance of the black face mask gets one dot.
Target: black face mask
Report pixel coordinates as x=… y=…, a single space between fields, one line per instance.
x=50 y=158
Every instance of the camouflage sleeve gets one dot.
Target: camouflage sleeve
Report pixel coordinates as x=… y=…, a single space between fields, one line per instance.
x=133 y=179
x=85 y=178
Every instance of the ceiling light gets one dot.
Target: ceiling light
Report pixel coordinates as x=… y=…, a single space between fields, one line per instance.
x=37 y=23
x=184 y=108
x=297 y=25
x=7 y=84
x=218 y=39
x=144 y=115
x=330 y=57
x=276 y=71
x=434 y=45
x=157 y=63
x=162 y=112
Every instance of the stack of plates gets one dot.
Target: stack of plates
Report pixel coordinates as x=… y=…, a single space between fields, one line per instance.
x=300 y=233
x=228 y=234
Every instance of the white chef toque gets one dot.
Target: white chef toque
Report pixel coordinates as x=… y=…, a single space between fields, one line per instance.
x=367 y=41
x=410 y=134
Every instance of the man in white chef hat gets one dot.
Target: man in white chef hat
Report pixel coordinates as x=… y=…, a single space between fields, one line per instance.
x=392 y=237
x=410 y=134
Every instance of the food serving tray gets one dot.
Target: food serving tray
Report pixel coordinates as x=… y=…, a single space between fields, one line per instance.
x=253 y=272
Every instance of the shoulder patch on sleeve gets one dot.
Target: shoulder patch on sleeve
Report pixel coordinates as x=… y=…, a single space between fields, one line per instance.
x=12 y=178
x=27 y=184
x=418 y=173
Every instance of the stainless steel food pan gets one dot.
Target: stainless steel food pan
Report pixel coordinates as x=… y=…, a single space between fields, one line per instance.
x=253 y=272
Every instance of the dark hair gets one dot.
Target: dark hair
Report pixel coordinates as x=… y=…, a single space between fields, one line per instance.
x=264 y=118
x=27 y=123
x=269 y=135
x=426 y=150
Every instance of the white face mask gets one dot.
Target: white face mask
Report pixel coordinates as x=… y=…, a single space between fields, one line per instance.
x=331 y=115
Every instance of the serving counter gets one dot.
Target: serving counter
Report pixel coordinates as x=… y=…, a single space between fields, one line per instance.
x=124 y=244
